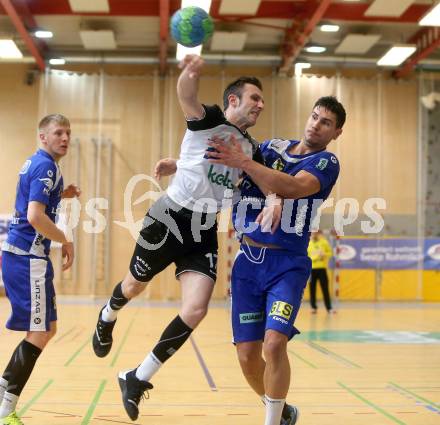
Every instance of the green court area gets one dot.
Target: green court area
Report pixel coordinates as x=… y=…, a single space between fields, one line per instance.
x=377 y=336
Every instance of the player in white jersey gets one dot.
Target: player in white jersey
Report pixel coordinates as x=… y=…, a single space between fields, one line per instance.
x=181 y=226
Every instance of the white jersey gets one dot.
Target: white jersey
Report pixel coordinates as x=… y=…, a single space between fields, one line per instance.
x=199 y=185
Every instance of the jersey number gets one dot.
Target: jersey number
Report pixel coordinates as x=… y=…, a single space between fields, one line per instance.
x=212 y=260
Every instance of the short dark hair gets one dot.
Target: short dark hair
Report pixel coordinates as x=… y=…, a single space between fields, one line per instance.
x=236 y=87
x=333 y=105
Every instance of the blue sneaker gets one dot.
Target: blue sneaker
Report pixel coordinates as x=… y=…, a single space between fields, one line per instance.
x=292 y=415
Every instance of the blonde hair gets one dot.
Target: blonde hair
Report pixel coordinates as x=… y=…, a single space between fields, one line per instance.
x=57 y=118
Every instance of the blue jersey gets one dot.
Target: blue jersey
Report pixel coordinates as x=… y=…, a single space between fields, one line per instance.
x=294 y=231
x=39 y=180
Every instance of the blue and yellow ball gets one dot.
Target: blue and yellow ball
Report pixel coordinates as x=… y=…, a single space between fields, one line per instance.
x=191 y=26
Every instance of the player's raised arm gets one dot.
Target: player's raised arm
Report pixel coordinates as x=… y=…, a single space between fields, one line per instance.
x=188 y=86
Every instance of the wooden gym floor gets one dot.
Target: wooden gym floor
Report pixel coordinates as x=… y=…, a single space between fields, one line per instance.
x=372 y=364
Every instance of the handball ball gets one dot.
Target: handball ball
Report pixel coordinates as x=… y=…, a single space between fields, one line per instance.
x=191 y=26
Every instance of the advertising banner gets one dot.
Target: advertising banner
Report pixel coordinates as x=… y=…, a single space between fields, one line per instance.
x=389 y=254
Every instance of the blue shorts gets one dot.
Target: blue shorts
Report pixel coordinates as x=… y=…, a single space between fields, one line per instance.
x=267 y=287
x=29 y=286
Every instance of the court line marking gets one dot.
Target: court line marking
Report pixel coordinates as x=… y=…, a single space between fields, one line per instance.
x=127 y=332
x=369 y=403
x=203 y=365
x=77 y=352
x=332 y=354
x=35 y=397
x=431 y=403
x=64 y=415
x=304 y=360
x=94 y=402
x=65 y=334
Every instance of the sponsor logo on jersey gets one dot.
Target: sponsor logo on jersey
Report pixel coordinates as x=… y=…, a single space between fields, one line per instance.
x=25 y=167
x=38 y=239
x=252 y=317
x=333 y=159
x=48 y=183
x=279 y=145
x=219 y=178
x=322 y=164
x=281 y=309
x=278 y=165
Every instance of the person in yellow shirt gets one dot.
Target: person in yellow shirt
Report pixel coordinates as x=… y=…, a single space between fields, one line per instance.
x=320 y=252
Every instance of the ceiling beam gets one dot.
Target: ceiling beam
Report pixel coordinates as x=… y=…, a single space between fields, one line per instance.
x=164 y=30
x=21 y=6
x=427 y=41
x=295 y=42
x=282 y=9
x=20 y=27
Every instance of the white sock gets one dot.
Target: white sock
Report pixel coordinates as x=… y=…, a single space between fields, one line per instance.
x=274 y=409
x=148 y=367
x=3 y=386
x=263 y=399
x=108 y=314
x=8 y=405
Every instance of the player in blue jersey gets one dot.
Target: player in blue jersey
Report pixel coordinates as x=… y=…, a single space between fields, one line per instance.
x=272 y=267
x=26 y=267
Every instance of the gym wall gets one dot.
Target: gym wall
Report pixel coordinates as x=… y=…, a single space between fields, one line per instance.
x=122 y=124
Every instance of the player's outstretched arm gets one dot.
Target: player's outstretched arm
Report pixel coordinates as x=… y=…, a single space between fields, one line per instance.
x=188 y=87
x=285 y=185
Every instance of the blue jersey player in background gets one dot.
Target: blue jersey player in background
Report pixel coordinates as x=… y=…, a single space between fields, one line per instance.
x=26 y=267
x=272 y=267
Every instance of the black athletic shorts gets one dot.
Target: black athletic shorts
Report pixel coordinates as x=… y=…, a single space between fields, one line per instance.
x=171 y=234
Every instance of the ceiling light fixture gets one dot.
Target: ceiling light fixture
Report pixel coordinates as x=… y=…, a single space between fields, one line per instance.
x=329 y=28
x=203 y=4
x=299 y=66
x=315 y=49
x=396 y=55
x=9 y=50
x=57 y=61
x=182 y=51
x=432 y=18
x=43 y=34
